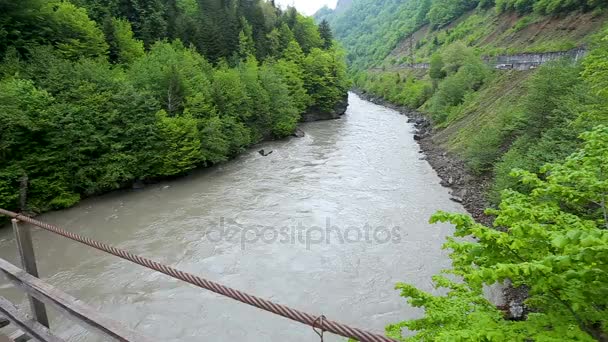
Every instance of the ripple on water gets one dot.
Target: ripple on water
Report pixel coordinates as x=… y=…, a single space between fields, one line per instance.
x=362 y=169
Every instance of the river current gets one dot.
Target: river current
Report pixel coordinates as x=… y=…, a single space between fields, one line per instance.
x=327 y=224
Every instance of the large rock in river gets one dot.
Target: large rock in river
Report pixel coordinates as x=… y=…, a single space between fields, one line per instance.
x=316 y=115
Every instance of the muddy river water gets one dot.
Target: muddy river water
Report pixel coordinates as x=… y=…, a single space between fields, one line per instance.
x=327 y=224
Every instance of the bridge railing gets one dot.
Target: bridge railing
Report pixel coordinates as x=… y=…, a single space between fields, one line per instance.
x=40 y=294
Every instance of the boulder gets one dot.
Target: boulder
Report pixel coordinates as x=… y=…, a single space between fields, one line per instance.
x=456 y=199
x=138 y=184
x=299 y=133
x=264 y=153
x=315 y=114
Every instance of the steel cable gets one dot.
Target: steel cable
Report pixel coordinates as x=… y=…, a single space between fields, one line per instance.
x=278 y=309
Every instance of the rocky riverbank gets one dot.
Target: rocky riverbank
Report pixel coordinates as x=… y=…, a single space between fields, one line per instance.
x=318 y=115
x=466 y=188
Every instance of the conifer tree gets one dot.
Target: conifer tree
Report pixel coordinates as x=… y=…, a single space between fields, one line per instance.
x=326 y=34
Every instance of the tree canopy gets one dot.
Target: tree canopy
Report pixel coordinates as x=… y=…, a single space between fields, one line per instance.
x=97 y=94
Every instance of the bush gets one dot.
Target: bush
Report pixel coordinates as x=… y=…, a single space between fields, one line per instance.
x=553 y=240
x=451 y=92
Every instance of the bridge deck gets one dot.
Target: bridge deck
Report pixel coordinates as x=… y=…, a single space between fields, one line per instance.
x=62 y=302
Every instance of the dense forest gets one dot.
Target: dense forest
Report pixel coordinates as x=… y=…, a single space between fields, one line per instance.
x=95 y=95
x=371 y=29
x=540 y=136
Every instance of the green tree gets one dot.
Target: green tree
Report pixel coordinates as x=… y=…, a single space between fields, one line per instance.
x=23 y=24
x=257 y=100
x=596 y=65
x=436 y=71
x=74 y=34
x=246 y=42
x=229 y=94
x=307 y=34
x=23 y=118
x=326 y=35
x=293 y=76
x=174 y=75
x=124 y=48
x=553 y=240
x=147 y=18
x=180 y=145
x=285 y=114
x=324 y=79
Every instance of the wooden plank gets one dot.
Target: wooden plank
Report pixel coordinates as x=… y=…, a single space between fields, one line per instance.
x=30 y=326
x=18 y=336
x=70 y=306
x=4 y=322
x=28 y=261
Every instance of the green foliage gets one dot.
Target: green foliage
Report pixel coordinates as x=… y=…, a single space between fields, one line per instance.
x=326 y=34
x=465 y=73
x=370 y=29
x=546 y=6
x=246 y=43
x=324 y=79
x=124 y=48
x=558 y=106
x=175 y=76
x=411 y=92
x=180 y=148
x=293 y=76
x=75 y=35
x=553 y=240
x=596 y=65
x=544 y=91
x=285 y=116
x=22 y=25
x=78 y=121
x=307 y=34
x=436 y=71
x=442 y=13
x=229 y=94
x=146 y=16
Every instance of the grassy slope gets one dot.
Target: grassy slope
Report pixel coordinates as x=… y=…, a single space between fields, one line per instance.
x=506 y=33
x=483 y=128
x=495 y=107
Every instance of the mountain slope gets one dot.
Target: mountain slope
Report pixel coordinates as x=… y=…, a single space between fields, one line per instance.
x=530 y=142
x=478 y=112
x=370 y=30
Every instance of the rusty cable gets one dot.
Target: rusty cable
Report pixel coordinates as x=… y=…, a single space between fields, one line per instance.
x=260 y=303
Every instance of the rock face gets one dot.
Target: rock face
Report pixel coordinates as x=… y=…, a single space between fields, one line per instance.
x=521 y=62
x=527 y=61
x=317 y=115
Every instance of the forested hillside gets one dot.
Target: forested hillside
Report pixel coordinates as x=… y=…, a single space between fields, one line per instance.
x=95 y=95
x=371 y=29
x=534 y=143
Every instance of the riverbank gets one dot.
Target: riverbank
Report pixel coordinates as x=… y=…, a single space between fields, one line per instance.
x=228 y=222
x=465 y=187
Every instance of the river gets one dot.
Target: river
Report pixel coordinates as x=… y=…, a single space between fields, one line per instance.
x=361 y=176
